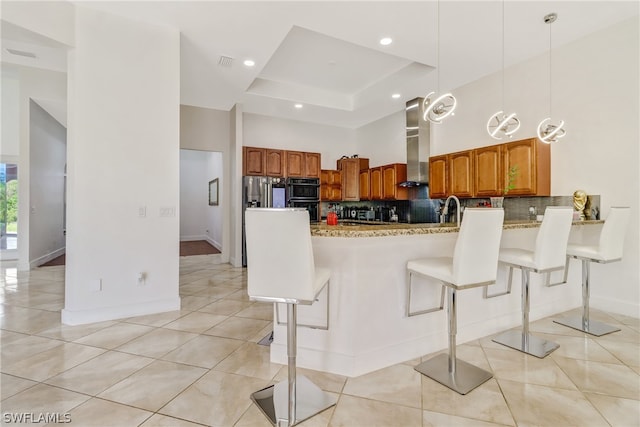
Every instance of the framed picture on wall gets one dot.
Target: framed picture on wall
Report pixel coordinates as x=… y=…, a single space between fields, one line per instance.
x=213 y=192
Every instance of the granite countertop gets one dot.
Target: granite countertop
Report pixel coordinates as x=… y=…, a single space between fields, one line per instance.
x=352 y=228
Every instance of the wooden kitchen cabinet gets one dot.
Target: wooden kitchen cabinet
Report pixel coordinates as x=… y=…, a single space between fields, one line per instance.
x=330 y=185
x=312 y=165
x=365 y=184
x=376 y=183
x=280 y=163
x=392 y=175
x=275 y=162
x=438 y=177
x=489 y=176
x=295 y=164
x=253 y=161
x=461 y=173
x=350 y=169
x=302 y=165
x=532 y=158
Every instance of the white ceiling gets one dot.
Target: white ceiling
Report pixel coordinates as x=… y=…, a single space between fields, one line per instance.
x=327 y=56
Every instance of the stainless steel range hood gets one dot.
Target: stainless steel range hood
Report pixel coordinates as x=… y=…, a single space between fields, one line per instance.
x=418 y=145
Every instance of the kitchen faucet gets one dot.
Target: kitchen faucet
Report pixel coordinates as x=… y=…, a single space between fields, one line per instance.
x=445 y=210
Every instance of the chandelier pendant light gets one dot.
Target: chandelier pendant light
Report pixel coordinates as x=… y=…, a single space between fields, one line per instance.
x=438 y=107
x=548 y=131
x=501 y=124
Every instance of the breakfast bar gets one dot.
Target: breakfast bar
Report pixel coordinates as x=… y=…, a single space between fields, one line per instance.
x=368 y=329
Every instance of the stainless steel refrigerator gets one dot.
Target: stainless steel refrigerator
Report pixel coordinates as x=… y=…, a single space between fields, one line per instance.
x=261 y=192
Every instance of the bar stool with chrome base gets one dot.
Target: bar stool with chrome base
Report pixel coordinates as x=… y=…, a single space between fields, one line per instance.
x=549 y=255
x=474 y=263
x=281 y=269
x=609 y=249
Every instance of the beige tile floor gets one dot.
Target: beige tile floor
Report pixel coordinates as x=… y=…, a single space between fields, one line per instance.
x=197 y=366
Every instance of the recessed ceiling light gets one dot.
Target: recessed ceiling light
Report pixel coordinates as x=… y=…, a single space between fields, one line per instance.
x=249 y=62
x=385 y=41
x=395 y=96
x=298 y=105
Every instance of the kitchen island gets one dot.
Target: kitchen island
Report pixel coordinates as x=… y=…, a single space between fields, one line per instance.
x=368 y=329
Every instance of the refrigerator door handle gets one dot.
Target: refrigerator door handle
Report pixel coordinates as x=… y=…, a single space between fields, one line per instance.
x=268 y=187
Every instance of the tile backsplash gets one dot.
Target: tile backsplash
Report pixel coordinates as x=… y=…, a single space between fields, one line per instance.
x=424 y=210
x=517 y=208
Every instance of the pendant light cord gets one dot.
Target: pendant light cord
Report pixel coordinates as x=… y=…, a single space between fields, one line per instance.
x=550 y=65
x=503 y=43
x=438 y=43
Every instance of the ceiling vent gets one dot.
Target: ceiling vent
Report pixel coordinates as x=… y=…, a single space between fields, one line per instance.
x=225 y=61
x=21 y=53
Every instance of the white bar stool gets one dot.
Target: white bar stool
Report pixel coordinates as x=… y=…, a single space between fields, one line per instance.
x=281 y=269
x=608 y=250
x=474 y=263
x=549 y=255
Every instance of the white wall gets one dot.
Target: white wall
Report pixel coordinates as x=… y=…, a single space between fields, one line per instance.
x=595 y=90
x=48 y=140
x=198 y=220
x=384 y=141
x=10 y=142
x=332 y=141
x=211 y=130
x=123 y=155
x=52 y=19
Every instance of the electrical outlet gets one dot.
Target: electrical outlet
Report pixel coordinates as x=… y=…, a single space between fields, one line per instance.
x=142 y=278
x=142 y=211
x=167 y=211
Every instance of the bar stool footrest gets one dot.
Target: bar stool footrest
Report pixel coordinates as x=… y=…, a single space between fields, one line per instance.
x=526 y=343
x=593 y=327
x=273 y=401
x=466 y=377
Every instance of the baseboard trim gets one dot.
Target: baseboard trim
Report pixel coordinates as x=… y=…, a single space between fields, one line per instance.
x=92 y=315
x=193 y=238
x=213 y=243
x=46 y=258
x=613 y=305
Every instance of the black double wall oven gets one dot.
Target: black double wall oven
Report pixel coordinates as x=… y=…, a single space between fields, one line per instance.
x=304 y=193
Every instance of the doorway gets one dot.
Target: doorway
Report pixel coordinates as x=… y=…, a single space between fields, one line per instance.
x=9 y=210
x=201 y=210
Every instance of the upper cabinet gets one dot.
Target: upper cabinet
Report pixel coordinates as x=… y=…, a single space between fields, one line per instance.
x=312 y=165
x=376 y=183
x=253 y=161
x=330 y=185
x=279 y=163
x=489 y=178
x=438 y=177
x=302 y=165
x=392 y=175
x=461 y=173
x=488 y=171
x=365 y=184
x=295 y=163
x=530 y=159
x=350 y=169
x=275 y=162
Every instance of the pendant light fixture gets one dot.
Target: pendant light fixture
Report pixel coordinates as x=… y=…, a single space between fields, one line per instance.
x=438 y=107
x=500 y=124
x=549 y=132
